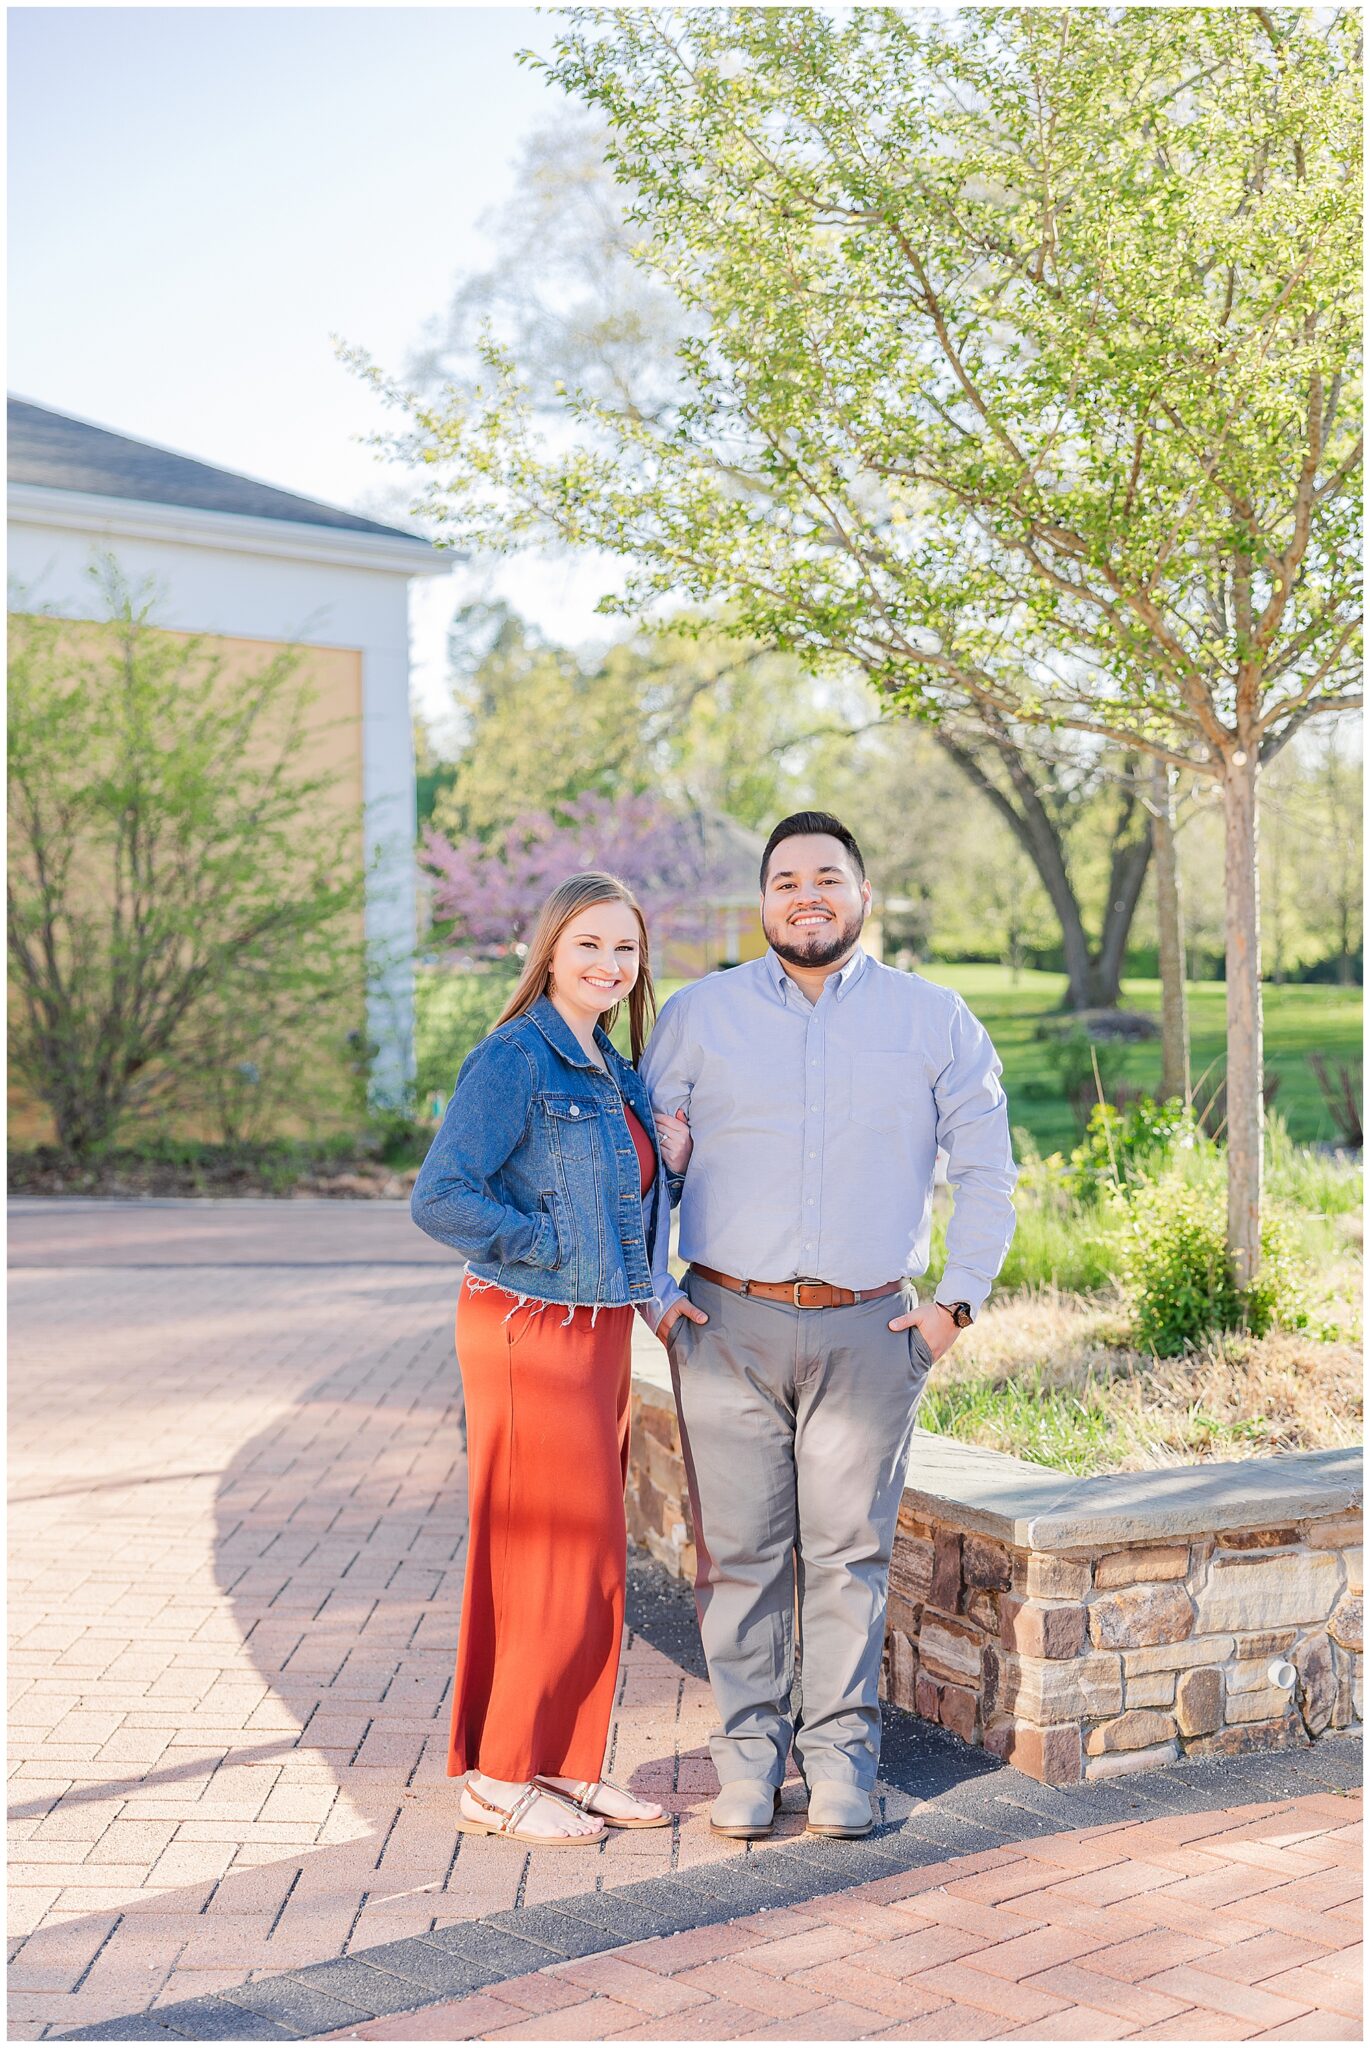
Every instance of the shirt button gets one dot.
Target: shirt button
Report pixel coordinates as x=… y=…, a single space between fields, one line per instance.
x=814 y=1106
x=813 y=1155
x=809 y=1203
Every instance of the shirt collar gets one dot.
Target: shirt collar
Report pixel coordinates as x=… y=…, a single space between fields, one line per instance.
x=839 y=983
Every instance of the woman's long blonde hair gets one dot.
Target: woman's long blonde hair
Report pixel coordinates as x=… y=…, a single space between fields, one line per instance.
x=567 y=900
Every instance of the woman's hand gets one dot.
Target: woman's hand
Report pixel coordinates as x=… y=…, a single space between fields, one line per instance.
x=673 y=1134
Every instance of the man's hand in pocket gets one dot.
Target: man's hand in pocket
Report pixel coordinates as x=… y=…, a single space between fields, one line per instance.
x=938 y=1329
x=674 y=1314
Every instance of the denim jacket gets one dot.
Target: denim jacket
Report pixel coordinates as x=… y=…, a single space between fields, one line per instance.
x=534 y=1175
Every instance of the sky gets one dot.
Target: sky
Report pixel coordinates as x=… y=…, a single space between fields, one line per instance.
x=200 y=197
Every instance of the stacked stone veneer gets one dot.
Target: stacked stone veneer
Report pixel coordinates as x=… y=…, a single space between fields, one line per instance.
x=1082 y=1628
x=658 y=1500
x=1102 y=1659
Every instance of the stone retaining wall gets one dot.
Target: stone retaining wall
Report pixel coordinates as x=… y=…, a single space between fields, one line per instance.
x=1083 y=1628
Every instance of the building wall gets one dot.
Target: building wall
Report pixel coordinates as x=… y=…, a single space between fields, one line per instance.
x=268 y=582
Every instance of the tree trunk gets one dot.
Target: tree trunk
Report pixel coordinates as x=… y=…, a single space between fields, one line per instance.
x=1093 y=981
x=1170 y=924
x=1244 y=1049
x=1127 y=874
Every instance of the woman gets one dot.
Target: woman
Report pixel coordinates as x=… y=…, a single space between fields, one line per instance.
x=547 y=1175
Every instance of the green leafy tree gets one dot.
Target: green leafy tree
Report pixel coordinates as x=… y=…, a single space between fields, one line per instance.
x=539 y=730
x=184 y=895
x=709 y=722
x=566 y=299
x=1021 y=371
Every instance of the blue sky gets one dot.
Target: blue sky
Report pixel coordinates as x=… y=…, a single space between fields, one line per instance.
x=199 y=197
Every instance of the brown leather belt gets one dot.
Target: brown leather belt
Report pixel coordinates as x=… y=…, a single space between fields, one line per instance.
x=819 y=1293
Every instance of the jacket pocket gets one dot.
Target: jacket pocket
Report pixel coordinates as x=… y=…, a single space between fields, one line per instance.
x=550 y=1206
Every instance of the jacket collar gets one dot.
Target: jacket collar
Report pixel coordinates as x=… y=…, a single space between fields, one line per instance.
x=563 y=1041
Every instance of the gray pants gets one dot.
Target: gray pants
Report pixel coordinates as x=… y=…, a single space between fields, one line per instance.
x=796 y=1425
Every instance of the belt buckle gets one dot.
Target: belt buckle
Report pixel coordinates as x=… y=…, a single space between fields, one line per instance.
x=794 y=1290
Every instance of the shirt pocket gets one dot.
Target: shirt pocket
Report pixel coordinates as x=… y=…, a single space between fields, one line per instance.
x=880 y=1087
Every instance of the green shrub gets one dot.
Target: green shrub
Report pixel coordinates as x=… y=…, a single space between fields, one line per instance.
x=1074 y=1056
x=1276 y=1295
x=1180 y=1278
x=1126 y=1145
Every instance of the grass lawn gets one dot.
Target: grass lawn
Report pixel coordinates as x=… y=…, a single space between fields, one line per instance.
x=1055 y=1378
x=1299 y=1018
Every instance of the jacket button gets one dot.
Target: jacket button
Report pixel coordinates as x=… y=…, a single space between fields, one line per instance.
x=574 y=1110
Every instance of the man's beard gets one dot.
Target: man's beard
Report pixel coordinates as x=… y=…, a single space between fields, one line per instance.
x=818 y=947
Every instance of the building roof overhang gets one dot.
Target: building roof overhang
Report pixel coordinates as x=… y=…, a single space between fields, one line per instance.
x=236 y=532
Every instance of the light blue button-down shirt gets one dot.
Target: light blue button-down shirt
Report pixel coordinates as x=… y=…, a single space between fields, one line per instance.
x=816 y=1128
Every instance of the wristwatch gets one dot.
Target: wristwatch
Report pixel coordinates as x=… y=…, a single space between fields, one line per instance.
x=959 y=1311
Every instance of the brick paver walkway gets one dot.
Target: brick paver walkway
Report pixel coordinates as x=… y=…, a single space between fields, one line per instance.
x=237 y=1486
x=1225 y=1926
x=236 y=1472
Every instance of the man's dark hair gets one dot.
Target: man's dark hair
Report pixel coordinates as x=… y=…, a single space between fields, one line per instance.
x=813 y=821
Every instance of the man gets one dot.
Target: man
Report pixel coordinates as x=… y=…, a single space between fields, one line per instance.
x=817 y=1085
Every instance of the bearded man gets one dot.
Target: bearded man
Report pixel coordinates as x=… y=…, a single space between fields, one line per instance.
x=818 y=1085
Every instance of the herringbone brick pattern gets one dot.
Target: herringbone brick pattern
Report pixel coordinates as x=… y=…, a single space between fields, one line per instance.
x=1059 y=1940
x=238 y=1520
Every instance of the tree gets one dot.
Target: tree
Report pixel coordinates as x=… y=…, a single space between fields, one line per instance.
x=711 y=722
x=184 y=897
x=1038 y=791
x=490 y=892
x=537 y=732
x=1023 y=376
x=569 y=303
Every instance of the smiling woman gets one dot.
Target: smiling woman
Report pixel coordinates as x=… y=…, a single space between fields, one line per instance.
x=547 y=1175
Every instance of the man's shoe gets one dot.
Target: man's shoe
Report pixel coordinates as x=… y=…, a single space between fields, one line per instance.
x=838 y=1809
x=745 y=1809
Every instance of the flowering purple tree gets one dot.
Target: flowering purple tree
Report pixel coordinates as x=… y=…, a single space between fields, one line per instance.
x=491 y=892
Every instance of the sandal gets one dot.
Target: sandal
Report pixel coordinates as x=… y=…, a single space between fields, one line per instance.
x=507 y=1823
x=582 y=1799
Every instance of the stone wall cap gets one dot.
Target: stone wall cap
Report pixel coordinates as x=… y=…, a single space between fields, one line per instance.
x=1034 y=1508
